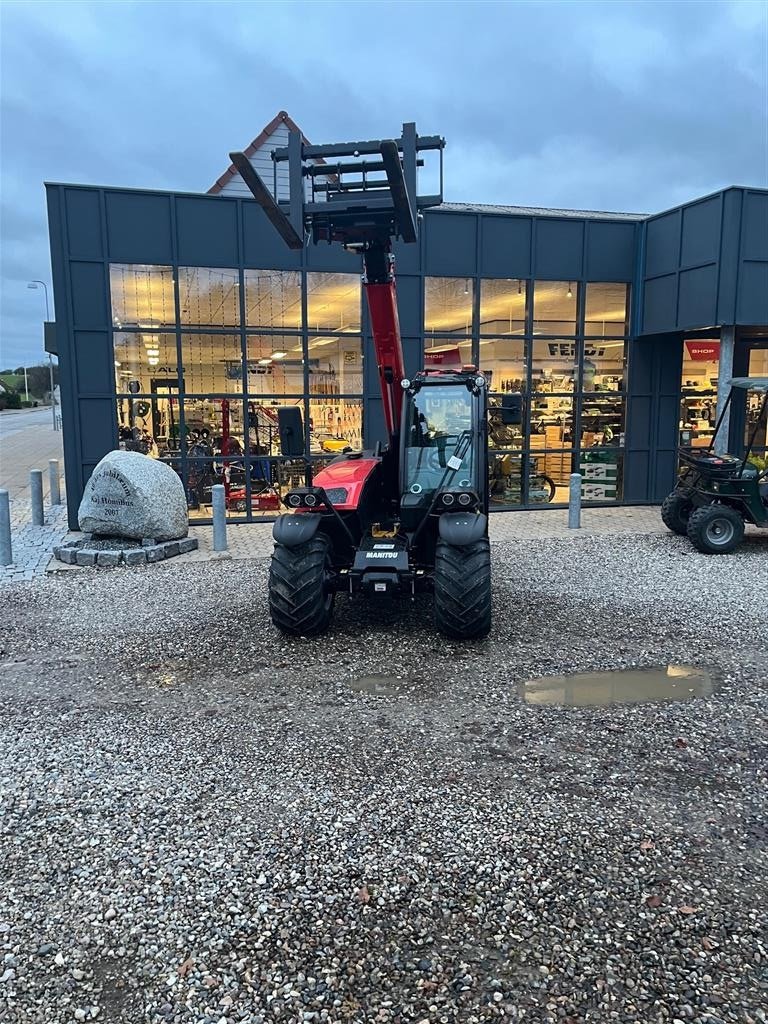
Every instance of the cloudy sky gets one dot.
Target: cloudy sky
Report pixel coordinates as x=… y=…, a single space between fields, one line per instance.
x=612 y=106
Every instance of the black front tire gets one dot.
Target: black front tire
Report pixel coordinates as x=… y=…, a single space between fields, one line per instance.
x=463 y=590
x=300 y=599
x=715 y=529
x=676 y=511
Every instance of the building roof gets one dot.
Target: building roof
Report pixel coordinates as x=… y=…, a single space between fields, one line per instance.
x=539 y=211
x=281 y=117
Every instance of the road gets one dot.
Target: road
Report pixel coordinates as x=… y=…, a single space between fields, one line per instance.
x=12 y=421
x=27 y=441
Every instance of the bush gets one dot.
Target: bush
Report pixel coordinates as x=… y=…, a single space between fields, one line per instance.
x=10 y=400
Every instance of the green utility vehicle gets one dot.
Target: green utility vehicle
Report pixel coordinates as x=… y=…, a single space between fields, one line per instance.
x=717 y=494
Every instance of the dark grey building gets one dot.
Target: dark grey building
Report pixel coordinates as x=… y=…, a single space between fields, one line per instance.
x=183 y=323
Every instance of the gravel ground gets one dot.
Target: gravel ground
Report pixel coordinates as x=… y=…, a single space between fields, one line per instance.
x=204 y=822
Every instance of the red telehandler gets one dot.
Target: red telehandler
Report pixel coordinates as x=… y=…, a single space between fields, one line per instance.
x=411 y=515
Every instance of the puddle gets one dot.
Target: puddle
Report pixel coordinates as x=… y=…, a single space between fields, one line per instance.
x=622 y=686
x=379 y=686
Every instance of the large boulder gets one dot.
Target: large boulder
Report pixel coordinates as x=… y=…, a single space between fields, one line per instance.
x=132 y=495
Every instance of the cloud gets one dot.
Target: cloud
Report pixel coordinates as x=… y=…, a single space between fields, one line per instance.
x=627 y=106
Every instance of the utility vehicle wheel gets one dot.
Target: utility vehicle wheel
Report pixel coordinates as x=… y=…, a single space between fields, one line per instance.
x=715 y=529
x=675 y=512
x=300 y=601
x=463 y=589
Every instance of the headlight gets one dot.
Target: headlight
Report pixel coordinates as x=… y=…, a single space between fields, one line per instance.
x=310 y=500
x=294 y=500
x=448 y=499
x=465 y=499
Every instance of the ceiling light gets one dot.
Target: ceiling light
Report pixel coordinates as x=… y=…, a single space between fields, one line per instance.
x=322 y=341
x=153 y=361
x=153 y=351
x=569 y=293
x=117 y=364
x=264 y=362
x=279 y=355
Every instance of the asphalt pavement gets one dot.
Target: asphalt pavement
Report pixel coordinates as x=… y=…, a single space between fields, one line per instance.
x=12 y=421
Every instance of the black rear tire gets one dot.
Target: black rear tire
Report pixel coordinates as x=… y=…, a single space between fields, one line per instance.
x=300 y=599
x=676 y=511
x=463 y=590
x=716 y=529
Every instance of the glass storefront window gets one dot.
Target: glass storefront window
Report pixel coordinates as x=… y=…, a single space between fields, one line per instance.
x=501 y=434
x=209 y=297
x=503 y=361
x=263 y=428
x=211 y=363
x=446 y=353
x=275 y=364
x=149 y=425
x=606 y=309
x=755 y=426
x=551 y=468
x=333 y=302
x=143 y=359
x=448 y=305
x=199 y=476
x=554 y=307
x=698 y=400
x=552 y=419
x=335 y=364
x=601 y=474
x=273 y=299
x=554 y=365
x=142 y=296
x=502 y=306
x=603 y=365
x=213 y=427
x=505 y=472
x=602 y=419
x=335 y=424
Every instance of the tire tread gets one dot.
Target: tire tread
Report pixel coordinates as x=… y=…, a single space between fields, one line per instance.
x=298 y=603
x=463 y=589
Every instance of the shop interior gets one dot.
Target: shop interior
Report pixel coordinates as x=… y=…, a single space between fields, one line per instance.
x=204 y=396
x=531 y=338
x=201 y=370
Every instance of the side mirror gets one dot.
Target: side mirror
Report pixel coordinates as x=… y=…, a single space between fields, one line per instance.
x=512 y=409
x=291 y=427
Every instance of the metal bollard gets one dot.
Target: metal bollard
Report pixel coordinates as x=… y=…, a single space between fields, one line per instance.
x=574 y=502
x=6 y=550
x=53 y=479
x=36 y=496
x=219 y=518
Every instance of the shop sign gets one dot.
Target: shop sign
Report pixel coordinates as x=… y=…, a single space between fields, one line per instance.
x=703 y=351
x=446 y=357
x=567 y=350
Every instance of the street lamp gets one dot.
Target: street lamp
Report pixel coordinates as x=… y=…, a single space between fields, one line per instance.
x=35 y=285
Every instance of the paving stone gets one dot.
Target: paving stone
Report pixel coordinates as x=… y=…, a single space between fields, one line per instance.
x=108 y=558
x=156 y=553
x=85 y=557
x=187 y=544
x=138 y=556
x=171 y=548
